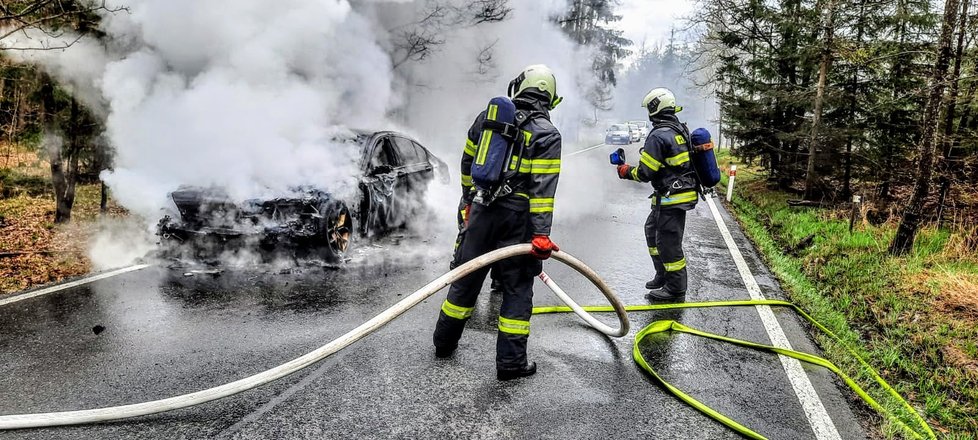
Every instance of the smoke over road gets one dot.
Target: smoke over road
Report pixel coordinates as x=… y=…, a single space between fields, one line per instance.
x=248 y=97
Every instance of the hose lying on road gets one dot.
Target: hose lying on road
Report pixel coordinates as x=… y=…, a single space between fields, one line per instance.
x=923 y=430
x=199 y=397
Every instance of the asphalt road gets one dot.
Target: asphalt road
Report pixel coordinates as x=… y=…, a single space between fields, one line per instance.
x=167 y=334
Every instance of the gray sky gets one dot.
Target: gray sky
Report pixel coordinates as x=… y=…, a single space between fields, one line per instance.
x=651 y=20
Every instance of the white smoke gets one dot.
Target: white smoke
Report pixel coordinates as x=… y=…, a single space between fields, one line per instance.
x=249 y=95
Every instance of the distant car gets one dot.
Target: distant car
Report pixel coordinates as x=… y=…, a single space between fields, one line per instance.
x=618 y=134
x=643 y=127
x=395 y=171
x=634 y=132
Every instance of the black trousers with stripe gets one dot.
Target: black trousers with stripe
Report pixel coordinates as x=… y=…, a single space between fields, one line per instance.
x=490 y=228
x=664 y=231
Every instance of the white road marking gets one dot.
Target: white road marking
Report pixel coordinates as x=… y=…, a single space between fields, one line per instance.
x=585 y=150
x=818 y=417
x=69 y=285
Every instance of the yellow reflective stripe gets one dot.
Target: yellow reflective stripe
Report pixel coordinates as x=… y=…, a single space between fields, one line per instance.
x=523 y=195
x=466 y=180
x=685 y=197
x=526 y=137
x=675 y=266
x=650 y=161
x=678 y=159
x=457 y=312
x=486 y=136
x=635 y=173
x=544 y=166
x=514 y=326
x=653 y=251
x=541 y=205
x=470 y=148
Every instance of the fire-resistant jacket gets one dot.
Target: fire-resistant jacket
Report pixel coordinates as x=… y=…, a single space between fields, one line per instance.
x=534 y=183
x=665 y=163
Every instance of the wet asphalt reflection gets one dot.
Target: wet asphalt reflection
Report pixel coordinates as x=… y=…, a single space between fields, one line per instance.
x=160 y=332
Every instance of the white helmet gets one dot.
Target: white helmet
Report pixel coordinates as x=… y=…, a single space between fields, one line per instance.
x=660 y=99
x=540 y=77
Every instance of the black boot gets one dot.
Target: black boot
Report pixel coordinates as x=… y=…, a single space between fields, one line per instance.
x=444 y=352
x=656 y=283
x=528 y=370
x=665 y=295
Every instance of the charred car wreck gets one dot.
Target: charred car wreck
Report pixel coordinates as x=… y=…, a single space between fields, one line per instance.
x=395 y=172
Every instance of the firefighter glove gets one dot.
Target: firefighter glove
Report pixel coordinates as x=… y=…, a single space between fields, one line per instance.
x=623 y=171
x=543 y=247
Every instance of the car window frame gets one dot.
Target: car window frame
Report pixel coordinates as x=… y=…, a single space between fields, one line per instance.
x=379 y=143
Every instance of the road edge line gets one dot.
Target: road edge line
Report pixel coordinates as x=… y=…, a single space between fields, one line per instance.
x=593 y=147
x=818 y=417
x=68 y=285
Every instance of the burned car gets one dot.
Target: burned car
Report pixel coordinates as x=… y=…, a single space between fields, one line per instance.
x=395 y=172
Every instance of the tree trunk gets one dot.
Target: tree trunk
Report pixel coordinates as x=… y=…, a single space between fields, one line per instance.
x=811 y=179
x=949 y=141
x=907 y=231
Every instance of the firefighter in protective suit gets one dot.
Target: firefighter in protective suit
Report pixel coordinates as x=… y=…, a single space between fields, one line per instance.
x=523 y=215
x=665 y=163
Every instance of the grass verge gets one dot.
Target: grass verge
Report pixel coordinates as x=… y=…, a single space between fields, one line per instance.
x=914 y=318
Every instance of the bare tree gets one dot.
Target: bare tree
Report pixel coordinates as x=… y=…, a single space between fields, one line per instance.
x=811 y=177
x=912 y=216
x=61 y=22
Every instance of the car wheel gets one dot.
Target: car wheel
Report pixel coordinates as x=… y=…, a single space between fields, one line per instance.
x=336 y=228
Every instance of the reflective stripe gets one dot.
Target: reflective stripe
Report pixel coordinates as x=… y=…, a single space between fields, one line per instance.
x=650 y=161
x=545 y=166
x=635 y=174
x=523 y=195
x=486 y=136
x=678 y=265
x=454 y=311
x=526 y=137
x=653 y=251
x=541 y=205
x=470 y=148
x=686 y=197
x=536 y=166
x=514 y=326
x=678 y=159
x=466 y=180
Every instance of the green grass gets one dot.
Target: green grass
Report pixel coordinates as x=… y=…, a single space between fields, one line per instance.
x=902 y=314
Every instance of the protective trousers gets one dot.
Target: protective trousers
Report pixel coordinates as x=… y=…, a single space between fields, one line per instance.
x=490 y=228
x=458 y=243
x=664 y=235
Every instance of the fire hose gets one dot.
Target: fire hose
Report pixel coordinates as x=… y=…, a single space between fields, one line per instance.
x=196 y=398
x=920 y=428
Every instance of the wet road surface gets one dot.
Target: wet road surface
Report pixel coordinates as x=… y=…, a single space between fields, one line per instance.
x=167 y=334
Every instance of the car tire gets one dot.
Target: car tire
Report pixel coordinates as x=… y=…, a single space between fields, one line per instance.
x=337 y=228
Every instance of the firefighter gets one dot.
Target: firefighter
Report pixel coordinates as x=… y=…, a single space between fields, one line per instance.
x=665 y=163
x=521 y=215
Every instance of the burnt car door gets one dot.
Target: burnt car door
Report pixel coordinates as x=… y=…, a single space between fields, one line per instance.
x=415 y=173
x=378 y=187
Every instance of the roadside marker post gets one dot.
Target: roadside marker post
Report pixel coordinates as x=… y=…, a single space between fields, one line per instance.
x=732 y=174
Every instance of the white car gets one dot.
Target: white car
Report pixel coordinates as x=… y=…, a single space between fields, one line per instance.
x=618 y=134
x=643 y=127
x=635 y=132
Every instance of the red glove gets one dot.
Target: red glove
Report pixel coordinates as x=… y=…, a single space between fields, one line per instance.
x=542 y=247
x=465 y=213
x=623 y=171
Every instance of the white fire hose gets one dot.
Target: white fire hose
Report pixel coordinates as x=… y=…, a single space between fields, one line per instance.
x=196 y=398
